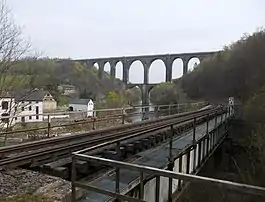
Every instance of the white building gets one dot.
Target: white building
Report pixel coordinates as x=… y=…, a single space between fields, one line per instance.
x=7 y=105
x=26 y=106
x=29 y=107
x=82 y=105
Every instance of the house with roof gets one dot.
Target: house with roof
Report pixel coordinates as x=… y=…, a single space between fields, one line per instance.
x=67 y=89
x=7 y=103
x=82 y=105
x=27 y=105
x=34 y=102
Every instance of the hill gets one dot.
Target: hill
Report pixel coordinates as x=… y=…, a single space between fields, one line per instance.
x=50 y=73
x=238 y=71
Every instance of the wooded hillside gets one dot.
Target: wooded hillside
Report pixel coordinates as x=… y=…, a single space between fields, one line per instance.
x=49 y=73
x=238 y=70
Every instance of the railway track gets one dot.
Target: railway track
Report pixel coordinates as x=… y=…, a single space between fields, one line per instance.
x=29 y=146
x=45 y=151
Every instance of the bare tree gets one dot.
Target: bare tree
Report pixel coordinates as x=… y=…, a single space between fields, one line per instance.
x=13 y=47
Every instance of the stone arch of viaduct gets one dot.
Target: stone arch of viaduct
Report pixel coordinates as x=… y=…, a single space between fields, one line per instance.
x=146 y=60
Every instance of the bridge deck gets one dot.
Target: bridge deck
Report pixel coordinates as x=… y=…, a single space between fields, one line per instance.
x=155 y=157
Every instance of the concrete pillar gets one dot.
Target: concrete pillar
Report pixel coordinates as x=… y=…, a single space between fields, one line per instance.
x=146 y=72
x=185 y=65
x=101 y=69
x=125 y=71
x=145 y=94
x=168 y=63
x=145 y=98
x=169 y=71
x=145 y=101
x=113 y=70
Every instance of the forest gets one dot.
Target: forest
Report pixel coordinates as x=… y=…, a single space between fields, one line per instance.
x=237 y=71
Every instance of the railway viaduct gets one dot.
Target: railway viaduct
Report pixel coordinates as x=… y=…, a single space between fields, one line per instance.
x=146 y=60
x=139 y=157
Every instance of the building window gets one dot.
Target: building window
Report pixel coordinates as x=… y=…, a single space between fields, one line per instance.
x=37 y=102
x=30 y=117
x=22 y=109
x=37 y=112
x=15 y=118
x=23 y=119
x=5 y=120
x=22 y=102
x=15 y=109
x=4 y=105
x=30 y=108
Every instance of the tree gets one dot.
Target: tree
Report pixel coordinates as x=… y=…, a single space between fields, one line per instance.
x=254 y=109
x=85 y=95
x=114 y=100
x=238 y=71
x=13 y=47
x=167 y=93
x=133 y=96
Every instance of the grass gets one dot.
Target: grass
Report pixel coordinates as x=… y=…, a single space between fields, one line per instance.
x=26 y=198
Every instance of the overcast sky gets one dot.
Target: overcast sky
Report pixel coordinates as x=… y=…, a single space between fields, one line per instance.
x=100 y=28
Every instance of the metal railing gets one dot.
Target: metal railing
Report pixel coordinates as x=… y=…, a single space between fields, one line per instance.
x=187 y=163
x=49 y=126
x=243 y=188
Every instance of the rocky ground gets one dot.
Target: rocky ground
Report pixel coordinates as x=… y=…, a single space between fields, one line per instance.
x=19 y=181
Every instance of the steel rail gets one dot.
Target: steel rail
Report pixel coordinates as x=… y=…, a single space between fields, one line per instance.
x=102 y=141
x=185 y=120
x=60 y=140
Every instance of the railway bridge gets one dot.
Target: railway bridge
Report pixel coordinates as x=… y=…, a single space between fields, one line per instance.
x=160 y=173
x=146 y=61
x=152 y=160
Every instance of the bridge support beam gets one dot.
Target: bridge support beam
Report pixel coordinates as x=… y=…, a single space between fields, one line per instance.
x=125 y=71
x=169 y=64
x=113 y=70
x=145 y=101
x=101 y=70
x=145 y=91
x=146 y=72
x=185 y=65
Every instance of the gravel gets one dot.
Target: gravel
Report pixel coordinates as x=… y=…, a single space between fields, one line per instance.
x=19 y=181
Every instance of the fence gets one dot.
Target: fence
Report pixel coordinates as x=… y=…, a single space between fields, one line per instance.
x=54 y=124
x=165 y=185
